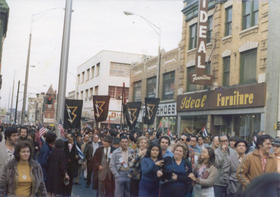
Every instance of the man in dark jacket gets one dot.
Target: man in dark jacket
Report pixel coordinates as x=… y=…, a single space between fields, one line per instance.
x=90 y=149
x=45 y=151
x=101 y=161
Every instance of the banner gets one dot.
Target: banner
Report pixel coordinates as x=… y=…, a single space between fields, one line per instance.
x=72 y=114
x=101 y=107
x=151 y=106
x=131 y=111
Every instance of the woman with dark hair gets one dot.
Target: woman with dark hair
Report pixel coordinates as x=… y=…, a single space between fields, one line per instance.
x=22 y=176
x=134 y=164
x=150 y=172
x=205 y=174
x=56 y=170
x=176 y=171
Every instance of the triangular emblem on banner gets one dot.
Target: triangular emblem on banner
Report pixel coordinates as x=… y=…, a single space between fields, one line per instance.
x=99 y=108
x=71 y=112
x=150 y=110
x=132 y=114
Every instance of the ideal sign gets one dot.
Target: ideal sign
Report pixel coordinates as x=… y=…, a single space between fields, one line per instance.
x=199 y=77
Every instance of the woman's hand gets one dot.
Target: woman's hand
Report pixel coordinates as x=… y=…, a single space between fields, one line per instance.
x=159 y=173
x=191 y=176
x=67 y=176
x=159 y=163
x=174 y=176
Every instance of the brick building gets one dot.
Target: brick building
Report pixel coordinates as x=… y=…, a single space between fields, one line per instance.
x=237 y=57
x=143 y=84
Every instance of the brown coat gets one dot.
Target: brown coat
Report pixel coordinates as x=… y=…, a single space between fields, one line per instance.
x=251 y=167
x=8 y=180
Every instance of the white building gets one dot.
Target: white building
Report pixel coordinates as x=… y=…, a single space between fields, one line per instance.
x=104 y=74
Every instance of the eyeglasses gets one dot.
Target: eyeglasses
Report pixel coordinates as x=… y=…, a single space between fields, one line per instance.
x=223 y=140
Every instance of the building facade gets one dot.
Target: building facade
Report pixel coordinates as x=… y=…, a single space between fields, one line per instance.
x=237 y=58
x=36 y=108
x=4 y=16
x=105 y=74
x=143 y=84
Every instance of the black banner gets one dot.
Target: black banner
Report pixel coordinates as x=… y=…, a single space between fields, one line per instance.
x=101 y=107
x=131 y=111
x=151 y=106
x=72 y=114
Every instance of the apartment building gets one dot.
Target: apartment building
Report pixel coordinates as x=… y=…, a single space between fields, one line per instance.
x=105 y=74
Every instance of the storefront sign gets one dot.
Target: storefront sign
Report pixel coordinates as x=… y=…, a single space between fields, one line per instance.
x=227 y=98
x=166 y=109
x=199 y=77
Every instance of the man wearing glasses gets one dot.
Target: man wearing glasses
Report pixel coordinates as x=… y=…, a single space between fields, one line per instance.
x=222 y=162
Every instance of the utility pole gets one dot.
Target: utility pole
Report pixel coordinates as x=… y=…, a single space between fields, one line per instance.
x=63 y=65
x=12 y=99
x=15 y=119
x=26 y=81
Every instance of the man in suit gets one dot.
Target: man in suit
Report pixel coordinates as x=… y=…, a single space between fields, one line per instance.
x=101 y=161
x=90 y=149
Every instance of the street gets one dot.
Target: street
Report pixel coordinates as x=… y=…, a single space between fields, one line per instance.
x=82 y=191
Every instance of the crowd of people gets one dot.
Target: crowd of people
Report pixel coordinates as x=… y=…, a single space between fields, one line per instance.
x=122 y=163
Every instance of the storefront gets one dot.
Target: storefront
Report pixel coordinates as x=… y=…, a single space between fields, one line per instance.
x=167 y=117
x=235 y=111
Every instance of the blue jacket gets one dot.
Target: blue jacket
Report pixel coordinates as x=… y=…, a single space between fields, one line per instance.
x=149 y=169
x=43 y=156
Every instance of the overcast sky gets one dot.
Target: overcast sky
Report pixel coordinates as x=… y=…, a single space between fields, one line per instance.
x=96 y=25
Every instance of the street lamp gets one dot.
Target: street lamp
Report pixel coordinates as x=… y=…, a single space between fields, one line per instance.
x=157 y=30
x=28 y=62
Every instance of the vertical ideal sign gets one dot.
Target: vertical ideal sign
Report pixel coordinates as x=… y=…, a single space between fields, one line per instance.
x=199 y=77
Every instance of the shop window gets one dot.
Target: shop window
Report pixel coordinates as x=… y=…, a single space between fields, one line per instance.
x=228 y=25
x=226 y=71
x=137 y=91
x=151 y=87
x=192 y=124
x=193 y=36
x=247 y=125
x=248 y=66
x=250 y=9
x=168 y=85
x=209 y=29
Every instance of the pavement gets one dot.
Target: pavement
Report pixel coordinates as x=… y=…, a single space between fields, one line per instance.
x=81 y=190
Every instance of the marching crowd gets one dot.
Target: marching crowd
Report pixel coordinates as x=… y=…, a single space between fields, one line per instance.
x=121 y=163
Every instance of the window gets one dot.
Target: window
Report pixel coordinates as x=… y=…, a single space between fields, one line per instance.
x=193 y=36
x=96 y=90
x=97 y=69
x=116 y=92
x=86 y=95
x=168 y=85
x=190 y=86
x=137 y=91
x=90 y=93
x=228 y=25
x=209 y=29
x=83 y=77
x=77 y=95
x=92 y=72
x=248 y=66
x=79 y=79
x=88 y=71
x=226 y=71
x=82 y=95
x=151 y=87
x=250 y=13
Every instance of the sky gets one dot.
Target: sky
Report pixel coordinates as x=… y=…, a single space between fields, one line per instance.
x=96 y=25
